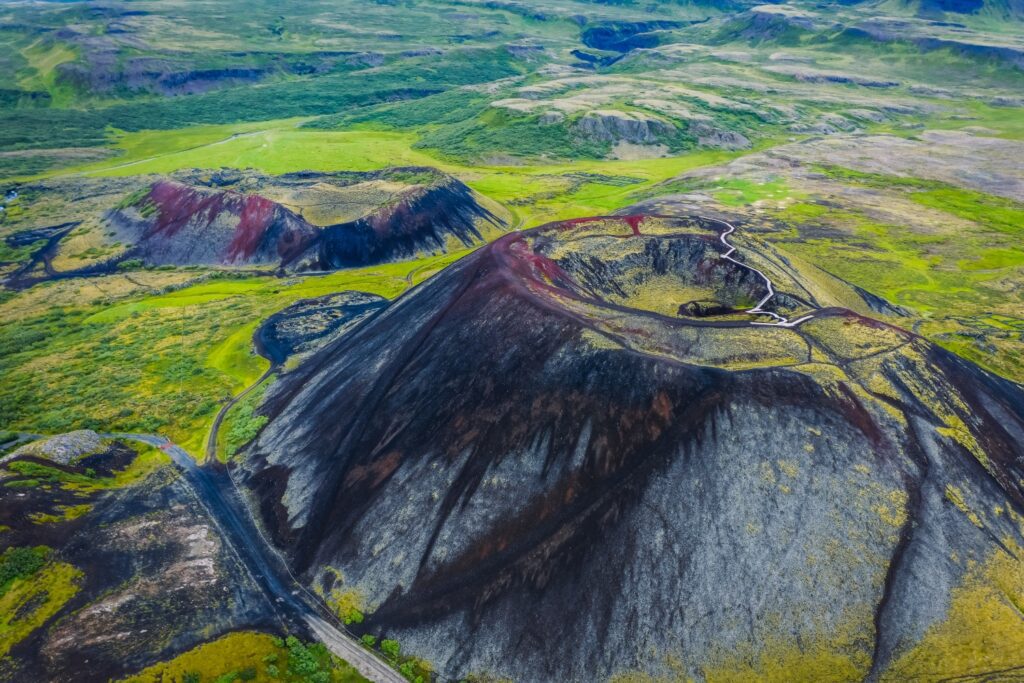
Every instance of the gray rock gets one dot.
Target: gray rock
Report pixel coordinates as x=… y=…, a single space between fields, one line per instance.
x=612 y=126
x=710 y=136
x=63 y=448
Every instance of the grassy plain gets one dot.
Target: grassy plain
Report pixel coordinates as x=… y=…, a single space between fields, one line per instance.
x=157 y=362
x=536 y=192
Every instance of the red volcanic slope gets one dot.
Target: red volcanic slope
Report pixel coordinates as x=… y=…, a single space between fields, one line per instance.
x=244 y=235
x=256 y=216
x=187 y=224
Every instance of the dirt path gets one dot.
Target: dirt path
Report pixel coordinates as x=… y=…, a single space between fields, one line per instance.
x=777 y=320
x=211 y=440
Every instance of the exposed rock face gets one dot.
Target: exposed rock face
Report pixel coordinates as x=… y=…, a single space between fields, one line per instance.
x=766 y=24
x=709 y=136
x=887 y=30
x=626 y=36
x=809 y=75
x=230 y=218
x=612 y=126
x=62 y=448
x=157 y=76
x=533 y=451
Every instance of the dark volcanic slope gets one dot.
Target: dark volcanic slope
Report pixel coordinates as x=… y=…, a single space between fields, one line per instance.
x=533 y=466
x=253 y=219
x=420 y=221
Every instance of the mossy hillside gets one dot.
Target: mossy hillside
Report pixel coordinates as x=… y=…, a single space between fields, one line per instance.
x=956 y=279
x=30 y=600
x=981 y=631
x=43 y=56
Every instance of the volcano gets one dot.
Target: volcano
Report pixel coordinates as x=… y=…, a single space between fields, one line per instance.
x=590 y=450
x=300 y=221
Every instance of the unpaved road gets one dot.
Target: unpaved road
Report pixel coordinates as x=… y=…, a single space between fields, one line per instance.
x=211 y=440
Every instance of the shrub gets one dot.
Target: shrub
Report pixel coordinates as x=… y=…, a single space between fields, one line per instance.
x=391 y=648
x=20 y=563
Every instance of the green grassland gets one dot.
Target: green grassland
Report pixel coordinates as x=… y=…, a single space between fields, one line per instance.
x=251 y=656
x=958 y=280
x=158 y=362
x=43 y=58
x=536 y=192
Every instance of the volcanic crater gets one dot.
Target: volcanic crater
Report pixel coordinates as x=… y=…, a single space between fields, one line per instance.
x=543 y=447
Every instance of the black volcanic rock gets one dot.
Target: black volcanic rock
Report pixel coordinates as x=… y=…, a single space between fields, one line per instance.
x=531 y=467
x=625 y=36
x=310 y=323
x=421 y=222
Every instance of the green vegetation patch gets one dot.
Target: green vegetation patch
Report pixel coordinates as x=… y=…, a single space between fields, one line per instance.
x=242 y=424
x=158 y=363
x=412 y=668
x=251 y=656
x=30 y=601
x=954 y=276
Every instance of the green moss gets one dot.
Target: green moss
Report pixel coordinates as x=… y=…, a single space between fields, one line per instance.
x=981 y=631
x=30 y=602
x=248 y=655
x=133 y=198
x=65 y=513
x=147 y=460
x=990 y=211
x=995 y=213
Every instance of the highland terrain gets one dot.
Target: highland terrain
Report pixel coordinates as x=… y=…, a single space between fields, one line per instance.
x=475 y=340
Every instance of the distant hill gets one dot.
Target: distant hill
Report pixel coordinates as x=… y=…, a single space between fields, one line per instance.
x=315 y=221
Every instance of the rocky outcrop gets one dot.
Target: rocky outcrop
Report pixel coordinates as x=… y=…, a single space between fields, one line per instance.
x=626 y=36
x=709 y=136
x=633 y=126
x=62 y=448
x=534 y=450
x=888 y=30
x=311 y=323
x=765 y=24
x=808 y=75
